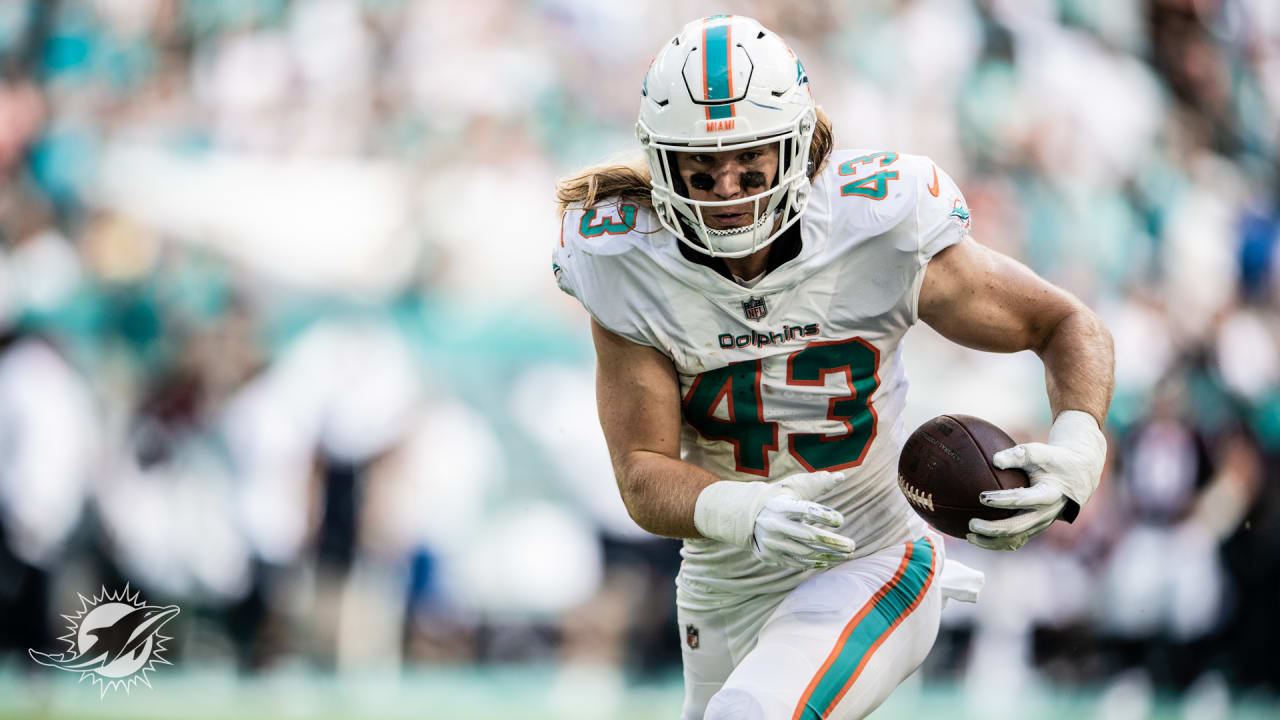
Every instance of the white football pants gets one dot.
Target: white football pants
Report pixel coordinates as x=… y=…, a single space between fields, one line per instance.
x=834 y=647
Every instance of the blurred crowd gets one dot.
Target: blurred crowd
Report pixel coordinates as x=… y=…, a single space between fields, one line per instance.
x=279 y=340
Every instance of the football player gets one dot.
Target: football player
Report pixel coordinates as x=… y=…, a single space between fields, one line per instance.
x=749 y=287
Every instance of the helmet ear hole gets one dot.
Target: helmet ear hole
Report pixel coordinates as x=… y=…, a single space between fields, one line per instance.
x=677 y=182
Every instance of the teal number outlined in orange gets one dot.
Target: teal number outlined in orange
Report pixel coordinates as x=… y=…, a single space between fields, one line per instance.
x=886 y=159
x=752 y=438
x=874 y=186
x=755 y=440
x=859 y=362
x=607 y=225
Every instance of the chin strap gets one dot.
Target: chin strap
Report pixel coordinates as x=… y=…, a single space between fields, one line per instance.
x=744 y=229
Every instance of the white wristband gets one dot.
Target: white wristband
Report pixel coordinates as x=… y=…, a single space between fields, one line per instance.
x=1079 y=431
x=726 y=510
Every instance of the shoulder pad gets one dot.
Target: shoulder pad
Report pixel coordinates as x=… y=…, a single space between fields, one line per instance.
x=593 y=260
x=874 y=192
x=609 y=227
x=874 y=189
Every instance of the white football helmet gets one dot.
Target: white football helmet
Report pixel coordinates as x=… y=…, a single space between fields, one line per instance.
x=727 y=83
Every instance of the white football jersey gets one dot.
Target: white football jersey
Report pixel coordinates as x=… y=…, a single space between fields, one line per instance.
x=800 y=372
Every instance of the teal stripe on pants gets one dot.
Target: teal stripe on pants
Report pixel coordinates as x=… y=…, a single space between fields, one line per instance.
x=876 y=624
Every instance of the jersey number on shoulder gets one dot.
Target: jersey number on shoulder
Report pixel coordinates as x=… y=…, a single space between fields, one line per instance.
x=754 y=439
x=590 y=228
x=874 y=186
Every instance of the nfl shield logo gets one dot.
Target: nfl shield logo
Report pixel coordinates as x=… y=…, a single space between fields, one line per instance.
x=755 y=308
x=691 y=636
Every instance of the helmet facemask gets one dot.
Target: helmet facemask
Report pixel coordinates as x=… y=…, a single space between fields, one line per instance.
x=774 y=209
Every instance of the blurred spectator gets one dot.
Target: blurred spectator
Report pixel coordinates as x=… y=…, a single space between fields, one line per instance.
x=49 y=444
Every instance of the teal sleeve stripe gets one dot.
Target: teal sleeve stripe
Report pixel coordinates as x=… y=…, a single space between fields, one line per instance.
x=890 y=610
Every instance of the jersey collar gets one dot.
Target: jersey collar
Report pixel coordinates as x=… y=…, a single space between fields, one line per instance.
x=781 y=251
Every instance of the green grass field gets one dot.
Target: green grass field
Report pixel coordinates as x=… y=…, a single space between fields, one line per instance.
x=508 y=693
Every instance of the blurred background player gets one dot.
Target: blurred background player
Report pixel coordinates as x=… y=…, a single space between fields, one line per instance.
x=804 y=264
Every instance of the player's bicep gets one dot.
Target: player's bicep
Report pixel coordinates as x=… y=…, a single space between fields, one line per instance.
x=637 y=396
x=985 y=300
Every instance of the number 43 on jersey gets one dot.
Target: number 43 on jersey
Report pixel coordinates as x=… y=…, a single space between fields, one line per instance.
x=754 y=439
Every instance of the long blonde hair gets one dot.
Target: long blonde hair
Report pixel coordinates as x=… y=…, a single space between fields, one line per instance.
x=629 y=180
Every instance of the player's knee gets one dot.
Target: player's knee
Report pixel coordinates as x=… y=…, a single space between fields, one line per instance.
x=734 y=704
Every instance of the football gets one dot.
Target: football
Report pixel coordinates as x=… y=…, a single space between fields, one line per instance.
x=946 y=463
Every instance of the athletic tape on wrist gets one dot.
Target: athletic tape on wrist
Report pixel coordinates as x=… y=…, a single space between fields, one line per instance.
x=1079 y=431
x=726 y=510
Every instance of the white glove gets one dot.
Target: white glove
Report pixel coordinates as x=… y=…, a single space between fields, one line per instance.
x=1064 y=473
x=778 y=522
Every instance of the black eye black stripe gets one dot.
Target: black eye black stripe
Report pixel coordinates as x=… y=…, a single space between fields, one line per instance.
x=749 y=179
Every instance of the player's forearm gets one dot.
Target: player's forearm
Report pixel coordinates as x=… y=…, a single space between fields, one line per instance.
x=661 y=492
x=1079 y=365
